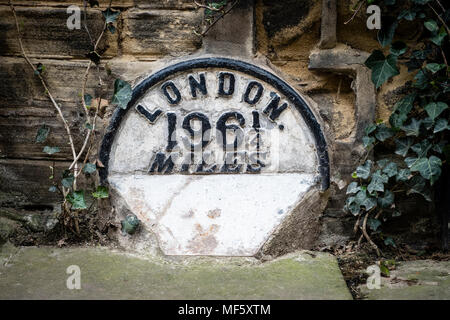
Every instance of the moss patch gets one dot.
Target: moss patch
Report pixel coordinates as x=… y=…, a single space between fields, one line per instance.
x=40 y=273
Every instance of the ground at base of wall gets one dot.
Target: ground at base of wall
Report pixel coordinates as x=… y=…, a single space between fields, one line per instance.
x=414 y=280
x=40 y=273
x=404 y=274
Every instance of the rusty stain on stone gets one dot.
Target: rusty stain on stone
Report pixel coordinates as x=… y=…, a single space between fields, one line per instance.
x=214 y=213
x=204 y=241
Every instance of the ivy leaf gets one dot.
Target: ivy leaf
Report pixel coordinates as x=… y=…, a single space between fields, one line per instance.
x=369 y=203
x=370 y=128
x=389 y=2
x=387 y=200
x=396 y=213
x=389 y=242
x=403 y=175
x=417 y=184
x=434 y=109
x=405 y=104
x=382 y=163
x=397 y=119
x=429 y=168
x=76 y=198
x=364 y=170
x=385 y=34
x=111 y=28
x=439 y=148
x=373 y=224
x=437 y=39
x=398 y=48
x=409 y=15
x=68 y=178
x=413 y=128
x=42 y=133
x=122 y=93
x=94 y=57
x=410 y=161
x=434 y=67
x=383 y=132
x=353 y=188
x=88 y=100
x=421 y=148
x=368 y=141
x=101 y=192
x=89 y=168
x=110 y=15
x=441 y=125
x=377 y=182
x=431 y=25
x=40 y=68
x=352 y=206
x=421 y=80
x=52 y=189
x=382 y=67
x=50 y=150
x=391 y=169
x=403 y=145
x=361 y=199
x=428 y=123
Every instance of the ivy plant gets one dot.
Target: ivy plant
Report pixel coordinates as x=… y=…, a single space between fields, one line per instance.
x=74 y=199
x=416 y=133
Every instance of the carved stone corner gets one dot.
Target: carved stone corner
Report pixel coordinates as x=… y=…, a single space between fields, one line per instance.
x=300 y=230
x=348 y=61
x=234 y=34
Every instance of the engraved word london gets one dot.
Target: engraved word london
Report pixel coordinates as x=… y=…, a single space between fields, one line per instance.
x=212 y=155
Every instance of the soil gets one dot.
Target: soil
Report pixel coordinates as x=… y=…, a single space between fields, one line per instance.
x=353 y=261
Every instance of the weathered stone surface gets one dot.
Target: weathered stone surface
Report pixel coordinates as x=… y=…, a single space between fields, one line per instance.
x=156 y=33
x=40 y=273
x=234 y=33
x=43 y=221
x=7 y=228
x=349 y=150
x=26 y=182
x=300 y=229
x=328 y=24
x=153 y=4
x=414 y=280
x=276 y=17
x=26 y=107
x=45 y=34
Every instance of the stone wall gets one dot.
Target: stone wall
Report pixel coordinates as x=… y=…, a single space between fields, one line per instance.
x=148 y=32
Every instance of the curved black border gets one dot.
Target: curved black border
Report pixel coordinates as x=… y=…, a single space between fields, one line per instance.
x=230 y=64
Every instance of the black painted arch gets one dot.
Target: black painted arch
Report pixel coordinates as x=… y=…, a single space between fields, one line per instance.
x=229 y=64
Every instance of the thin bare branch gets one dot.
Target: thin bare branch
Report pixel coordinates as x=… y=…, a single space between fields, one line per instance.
x=366 y=235
x=220 y=17
x=85 y=22
x=440 y=19
x=354 y=14
x=44 y=84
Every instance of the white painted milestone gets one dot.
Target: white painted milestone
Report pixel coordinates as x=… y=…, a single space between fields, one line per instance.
x=212 y=161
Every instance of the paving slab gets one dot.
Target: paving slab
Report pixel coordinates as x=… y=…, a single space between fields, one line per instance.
x=40 y=273
x=414 y=280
